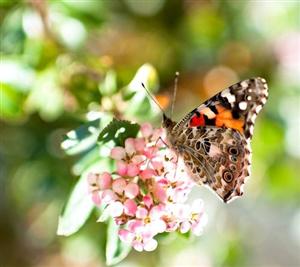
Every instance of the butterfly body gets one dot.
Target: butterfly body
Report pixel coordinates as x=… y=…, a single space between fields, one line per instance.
x=214 y=139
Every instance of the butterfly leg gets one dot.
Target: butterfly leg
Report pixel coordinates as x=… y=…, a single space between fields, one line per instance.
x=160 y=139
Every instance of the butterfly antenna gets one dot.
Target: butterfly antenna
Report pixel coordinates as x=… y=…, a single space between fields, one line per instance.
x=153 y=98
x=175 y=92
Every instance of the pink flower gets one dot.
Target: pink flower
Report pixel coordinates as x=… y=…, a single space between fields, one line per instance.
x=119 y=185
x=148 y=201
x=116 y=209
x=148 y=173
x=132 y=170
x=139 y=236
x=147 y=130
x=122 y=168
x=104 y=181
x=131 y=190
x=159 y=192
x=130 y=207
x=118 y=153
x=147 y=193
x=130 y=146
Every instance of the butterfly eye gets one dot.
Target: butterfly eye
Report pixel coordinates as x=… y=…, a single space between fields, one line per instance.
x=233 y=150
x=227 y=176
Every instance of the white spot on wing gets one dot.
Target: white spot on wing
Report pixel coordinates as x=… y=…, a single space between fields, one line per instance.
x=230 y=97
x=244 y=84
x=258 y=108
x=243 y=105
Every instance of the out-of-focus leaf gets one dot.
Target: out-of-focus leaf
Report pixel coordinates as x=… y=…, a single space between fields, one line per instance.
x=116 y=250
x=46 y=96
x=16 y=74
x=79 y=205
x=109 y=86
x=12 y=35
x=118 y=131
x=84 y=137
x=85 y=160
x=140 y=105
x=11 y=102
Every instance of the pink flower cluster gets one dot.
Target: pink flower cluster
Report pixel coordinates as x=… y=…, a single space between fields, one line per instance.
x=147 y=194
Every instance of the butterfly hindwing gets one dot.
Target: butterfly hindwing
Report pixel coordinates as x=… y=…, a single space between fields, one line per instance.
x=218 y=158
x=235 y=107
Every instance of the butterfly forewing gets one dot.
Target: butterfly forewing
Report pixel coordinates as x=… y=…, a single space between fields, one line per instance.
x=235 y=107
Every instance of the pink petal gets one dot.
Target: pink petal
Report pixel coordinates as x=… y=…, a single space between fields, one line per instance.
x=146 y=174
x=150 y=152
x=132 y=170
x=131 y=190
x=150 y=245
x=148 y=201
x=134 y=225
x=146 y=129
x=92 y=178
x=159 y=193
x=137 y=159
x=158 y=211
x=158 y=226
x=104 y=181
x=137 y=245
x=126 y=236
x=118 y=153
x=96 y=198
x=130 y=207
x=119 y=185
x=129 y=146
x=141 y=212
x=108 y=196
x=197 y=229
x=122 y=168
x=185 y=227
x=116 y=209
x=157 y=165
x=139 y=144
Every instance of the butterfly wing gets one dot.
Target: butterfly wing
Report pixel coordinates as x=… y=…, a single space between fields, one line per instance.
x=235 y=107
x=214 y=139
x=218 y=158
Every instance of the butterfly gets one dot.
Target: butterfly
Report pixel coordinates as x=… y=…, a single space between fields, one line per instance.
x=214 y=139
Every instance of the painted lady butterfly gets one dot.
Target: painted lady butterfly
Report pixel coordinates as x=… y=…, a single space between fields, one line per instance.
x=214 y=139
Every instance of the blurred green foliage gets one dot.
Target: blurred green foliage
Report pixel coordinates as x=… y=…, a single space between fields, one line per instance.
x=68 y=63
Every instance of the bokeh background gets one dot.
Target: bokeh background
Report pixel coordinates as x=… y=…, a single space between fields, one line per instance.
x=54 y=56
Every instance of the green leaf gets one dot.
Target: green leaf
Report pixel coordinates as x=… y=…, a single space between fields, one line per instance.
x=11 y=102
x=116 y=250
x=118 y=131
x=79 y=205
x=84 y=137
x=109 y=86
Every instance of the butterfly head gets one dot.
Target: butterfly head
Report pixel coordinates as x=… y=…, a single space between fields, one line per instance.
x=167 y=123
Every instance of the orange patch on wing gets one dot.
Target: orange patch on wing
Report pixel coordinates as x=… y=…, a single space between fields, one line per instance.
x=224 y=118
